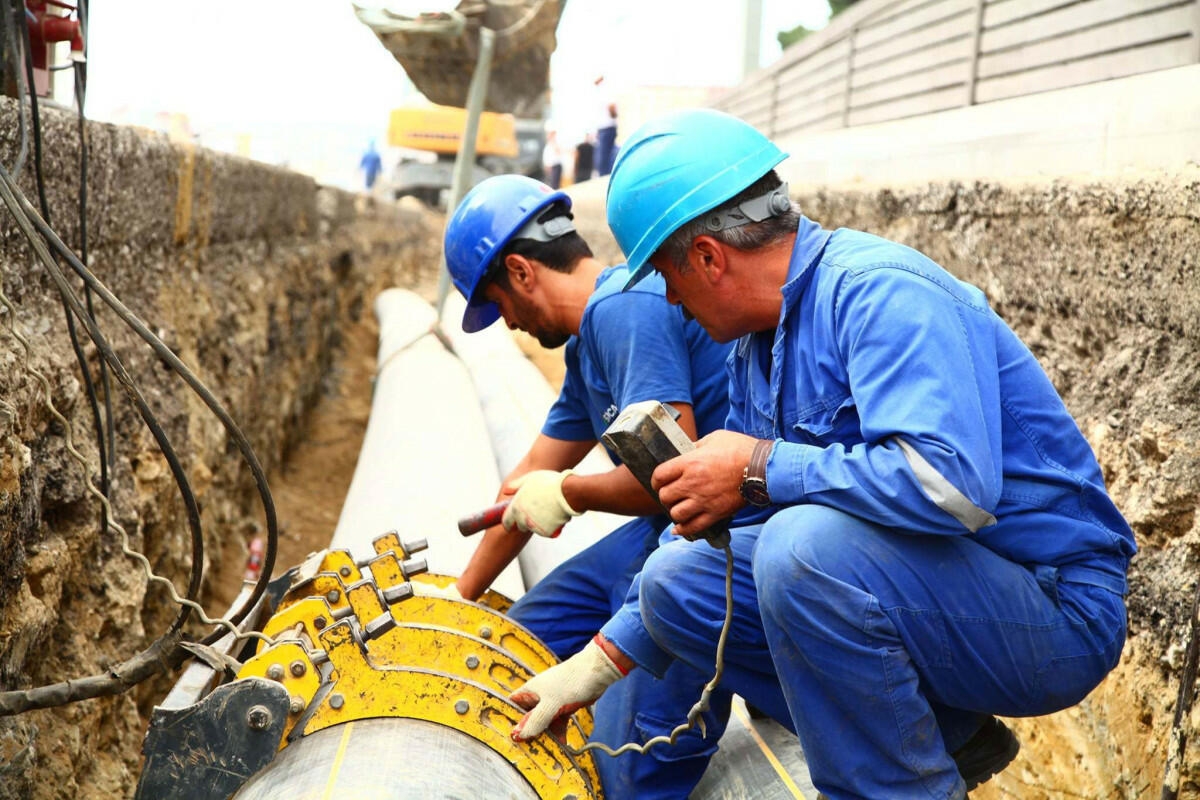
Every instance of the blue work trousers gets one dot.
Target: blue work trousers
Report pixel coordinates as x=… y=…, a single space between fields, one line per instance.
x=884 y=650
x=606 y=150
x=565 y=610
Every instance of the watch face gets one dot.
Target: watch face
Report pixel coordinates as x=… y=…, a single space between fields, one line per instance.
x=755 y=491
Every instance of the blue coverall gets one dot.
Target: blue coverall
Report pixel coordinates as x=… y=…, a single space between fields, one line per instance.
x=942 y=547
x=631 y=346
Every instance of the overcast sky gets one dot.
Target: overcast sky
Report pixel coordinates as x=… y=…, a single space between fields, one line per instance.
x=313 y=60
x=262 y=66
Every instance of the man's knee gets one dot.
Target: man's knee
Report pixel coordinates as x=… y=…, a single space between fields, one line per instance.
x=664 y=577
x=804 y=540
x=800 y=534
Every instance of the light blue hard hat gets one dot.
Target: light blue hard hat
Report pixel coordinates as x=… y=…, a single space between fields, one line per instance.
x=676 y=167
x=498 y=210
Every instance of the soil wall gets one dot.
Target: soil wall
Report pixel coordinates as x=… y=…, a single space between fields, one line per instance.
x=252 y=274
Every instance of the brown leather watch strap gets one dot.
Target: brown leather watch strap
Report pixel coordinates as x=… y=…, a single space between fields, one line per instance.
x=758 y=459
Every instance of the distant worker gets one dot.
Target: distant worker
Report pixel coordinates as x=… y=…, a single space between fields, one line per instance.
x=370 y=164
x=513 y=252
x=552 y=162
x=940 y=548
x=606 y=127
x=585 y=158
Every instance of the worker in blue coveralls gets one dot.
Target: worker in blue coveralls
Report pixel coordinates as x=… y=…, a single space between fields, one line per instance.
x=939 y=546
x=513 y=252
x=370 y=164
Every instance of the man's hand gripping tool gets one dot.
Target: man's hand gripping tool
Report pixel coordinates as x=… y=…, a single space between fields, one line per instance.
x=645 y=435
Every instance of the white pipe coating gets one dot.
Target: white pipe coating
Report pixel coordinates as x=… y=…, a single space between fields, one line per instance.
x=515 y=398
x=425 y=460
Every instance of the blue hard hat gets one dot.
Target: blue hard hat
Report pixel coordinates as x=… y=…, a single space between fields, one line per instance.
x=676 y=167
x=487 y=219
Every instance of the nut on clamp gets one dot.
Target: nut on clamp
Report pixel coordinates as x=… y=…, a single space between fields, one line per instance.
x=645 y=435
x=390 y=542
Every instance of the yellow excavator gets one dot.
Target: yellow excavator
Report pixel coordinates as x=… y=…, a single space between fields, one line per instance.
x=430 y=138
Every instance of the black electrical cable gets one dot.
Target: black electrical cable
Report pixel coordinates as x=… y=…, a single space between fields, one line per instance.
x=197 y=386
x=163 y=651
x=80 y=356
x=12 y=19
x=25 y=220
x=81 y=90
x=193 y=511
x=1177 y=740
x=163 y=654
x=166 y=354
x=35 y=116
x=105 y=429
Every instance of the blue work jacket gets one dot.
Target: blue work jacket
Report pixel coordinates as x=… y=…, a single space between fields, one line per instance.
x=634 y=346
x=896 y=394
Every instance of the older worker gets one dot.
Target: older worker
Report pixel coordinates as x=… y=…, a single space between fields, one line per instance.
x=940 y=547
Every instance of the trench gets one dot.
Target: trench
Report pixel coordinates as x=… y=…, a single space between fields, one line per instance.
x=1103 y=748
x=267 y=290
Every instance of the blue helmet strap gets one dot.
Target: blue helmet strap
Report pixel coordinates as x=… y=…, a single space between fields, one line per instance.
x=756 y=209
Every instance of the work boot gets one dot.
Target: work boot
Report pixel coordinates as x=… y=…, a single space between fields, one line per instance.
x=990 y=750
x=986 y=753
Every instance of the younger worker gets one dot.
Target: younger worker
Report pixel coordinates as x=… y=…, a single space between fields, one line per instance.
x=942 y=547
x=513 y=252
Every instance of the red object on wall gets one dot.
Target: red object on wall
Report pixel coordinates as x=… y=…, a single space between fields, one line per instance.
x=47 y=25
x=254 y=559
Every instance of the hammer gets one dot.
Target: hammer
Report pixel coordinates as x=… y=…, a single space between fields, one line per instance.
x=645 y=435
x=482 y=520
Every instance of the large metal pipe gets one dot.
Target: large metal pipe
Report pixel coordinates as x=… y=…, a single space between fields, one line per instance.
x=384 y=759
x=411 y=698
x=425 y=458
x=514 y=397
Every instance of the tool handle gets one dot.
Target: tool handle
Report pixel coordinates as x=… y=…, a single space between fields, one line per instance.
x=482 y=520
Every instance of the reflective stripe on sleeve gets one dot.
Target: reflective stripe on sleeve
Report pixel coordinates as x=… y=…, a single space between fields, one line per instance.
x=943 y=493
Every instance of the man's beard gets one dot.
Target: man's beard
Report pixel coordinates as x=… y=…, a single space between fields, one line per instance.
x=550 y=341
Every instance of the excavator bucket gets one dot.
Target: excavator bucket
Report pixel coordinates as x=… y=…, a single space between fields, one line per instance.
x=438 y=48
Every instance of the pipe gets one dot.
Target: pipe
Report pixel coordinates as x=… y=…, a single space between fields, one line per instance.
x=425 y=459
x=396 y=695
x=388 y=759
x=515 y=397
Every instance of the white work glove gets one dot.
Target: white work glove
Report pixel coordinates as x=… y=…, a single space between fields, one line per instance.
x=423 y=589
x=557 y=693
x=539 y=506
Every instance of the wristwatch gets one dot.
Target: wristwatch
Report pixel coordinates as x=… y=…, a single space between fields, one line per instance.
x=754 y=477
